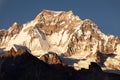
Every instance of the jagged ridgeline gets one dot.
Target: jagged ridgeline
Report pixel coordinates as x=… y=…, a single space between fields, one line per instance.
x=67 y=35
x=22 y=65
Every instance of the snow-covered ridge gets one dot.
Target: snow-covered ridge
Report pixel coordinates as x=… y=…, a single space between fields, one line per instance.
x=55 y=31
x=61 y=32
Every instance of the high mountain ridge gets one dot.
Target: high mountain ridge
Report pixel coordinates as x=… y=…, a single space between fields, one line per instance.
x=63 y=33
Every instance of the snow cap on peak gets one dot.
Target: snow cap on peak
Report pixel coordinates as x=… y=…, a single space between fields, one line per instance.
x=15 y=23
x=51 y=13
x=88 y=20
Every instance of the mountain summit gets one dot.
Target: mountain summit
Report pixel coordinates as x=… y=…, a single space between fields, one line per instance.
x=65 y=34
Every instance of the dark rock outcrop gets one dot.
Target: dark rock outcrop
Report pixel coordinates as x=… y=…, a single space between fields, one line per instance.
x=25 y=66
x=51 y=58
x=95 y=67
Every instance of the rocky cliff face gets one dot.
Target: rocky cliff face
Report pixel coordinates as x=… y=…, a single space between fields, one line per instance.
x=63 y=33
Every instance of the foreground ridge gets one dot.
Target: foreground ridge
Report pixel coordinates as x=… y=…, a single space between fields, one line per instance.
x=25 y=66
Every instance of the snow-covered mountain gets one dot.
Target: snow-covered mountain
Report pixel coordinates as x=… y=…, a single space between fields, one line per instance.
x=63 y=33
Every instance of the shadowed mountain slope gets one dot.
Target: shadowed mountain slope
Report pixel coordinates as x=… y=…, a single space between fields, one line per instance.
x=25 y=66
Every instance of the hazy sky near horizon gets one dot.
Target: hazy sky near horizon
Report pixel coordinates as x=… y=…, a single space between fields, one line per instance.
x=105 y=13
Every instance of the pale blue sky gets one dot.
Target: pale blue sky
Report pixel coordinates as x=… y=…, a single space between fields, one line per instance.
x=105 y=13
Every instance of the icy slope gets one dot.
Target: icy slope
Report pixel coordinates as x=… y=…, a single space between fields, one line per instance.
x=60 y=32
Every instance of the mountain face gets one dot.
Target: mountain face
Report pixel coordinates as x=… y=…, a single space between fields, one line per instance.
x=65 y=34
